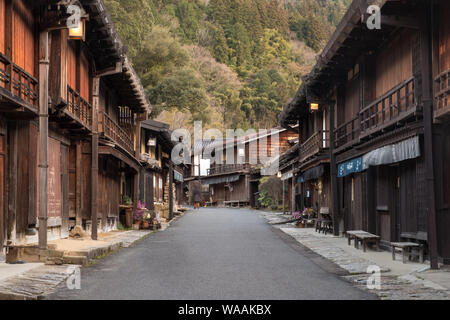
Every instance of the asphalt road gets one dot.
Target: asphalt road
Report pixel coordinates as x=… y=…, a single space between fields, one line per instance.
x=212 y=254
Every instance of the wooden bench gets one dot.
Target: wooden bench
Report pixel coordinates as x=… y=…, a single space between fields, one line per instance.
x=407 y=250
x=211 y=203
x=236 y=203
x=364 y=237
x=324 y=223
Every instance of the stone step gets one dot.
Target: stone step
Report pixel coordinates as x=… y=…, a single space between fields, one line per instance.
x=78 y=260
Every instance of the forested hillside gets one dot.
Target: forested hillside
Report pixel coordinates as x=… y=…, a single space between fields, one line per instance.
x=230 y=63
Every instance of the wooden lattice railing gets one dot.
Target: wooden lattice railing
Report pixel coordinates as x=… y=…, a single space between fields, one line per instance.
x=113 y=131
x=391 y=107
x=227 y=168
x=19 y=82
x=79 y=108
x=314 y=144
x=347 y=133
x=442 y=91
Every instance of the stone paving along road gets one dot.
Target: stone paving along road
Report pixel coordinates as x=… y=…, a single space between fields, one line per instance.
x=211 y=254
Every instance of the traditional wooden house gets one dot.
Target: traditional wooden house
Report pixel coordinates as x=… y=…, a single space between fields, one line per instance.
x=161 y=183
x=386 y=156
x=287 y=168
x=71 y=103
x=235 y=182
x=313 y=169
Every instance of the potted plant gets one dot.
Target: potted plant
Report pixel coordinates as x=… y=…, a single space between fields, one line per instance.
x=138 y=215
x=298 y=216
x=146 y=219
x=126 y=200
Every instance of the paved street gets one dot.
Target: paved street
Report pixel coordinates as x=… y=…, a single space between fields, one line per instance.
x=212 y=254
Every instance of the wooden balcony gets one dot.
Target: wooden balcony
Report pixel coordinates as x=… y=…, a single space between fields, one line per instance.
x=393 y=107
x=347 y=134
x=228 y=168
x=315 y=144
x=18 y=85
x=442 y=91
x=114 y=132
x=78 y=108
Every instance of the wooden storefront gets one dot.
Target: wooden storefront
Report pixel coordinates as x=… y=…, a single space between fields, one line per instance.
x=79 y=69
x=380 y=98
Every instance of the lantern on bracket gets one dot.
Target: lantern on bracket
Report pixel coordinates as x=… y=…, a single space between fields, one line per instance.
x=76 y=22
x=313 y=106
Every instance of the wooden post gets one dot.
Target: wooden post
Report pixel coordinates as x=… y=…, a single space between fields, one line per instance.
x=9 y=14
x=333 y=175
x=78 y=178
x=427 y=89
x=94 y=159
x=293 y=191
x=43 y=137
x=151 y=192
x=170 y=189
x=11 y=187
x=135 y=190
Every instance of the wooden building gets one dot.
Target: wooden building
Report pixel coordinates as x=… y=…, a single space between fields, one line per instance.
x=156 y=186
x=389 y=144
x=288 y=168
x=236 y=182
x=71 y=105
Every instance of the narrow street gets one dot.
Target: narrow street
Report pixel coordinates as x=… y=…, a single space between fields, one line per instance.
x=211 y=254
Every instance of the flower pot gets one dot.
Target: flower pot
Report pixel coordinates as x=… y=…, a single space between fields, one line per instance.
x=137 y=225
x=145 y=224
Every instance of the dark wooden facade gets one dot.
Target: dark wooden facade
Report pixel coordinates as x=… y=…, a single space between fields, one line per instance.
x=155 y=186
x=237 y=183
x=95 y=104
x=380 y=85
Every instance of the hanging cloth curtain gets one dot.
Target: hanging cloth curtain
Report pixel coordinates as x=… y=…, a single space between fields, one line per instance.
x=401 y=151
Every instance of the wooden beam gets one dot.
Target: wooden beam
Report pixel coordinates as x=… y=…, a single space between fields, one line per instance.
x=94 y=163
x=43 y=137
x=427 y=100
x=170 y=189
x=78 y=179
x=333 y=174
x=12 y=182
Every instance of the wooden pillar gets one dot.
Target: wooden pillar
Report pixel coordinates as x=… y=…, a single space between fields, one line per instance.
x=94 y=159
x=170 y=189
x=9 y=13
x=65 y=190
x=333 y=175
x=151 y=192
x=78 y=179
x=427 y=90
x=135 y=189
x=43 y=137
x=13 y=138
x=293 y=191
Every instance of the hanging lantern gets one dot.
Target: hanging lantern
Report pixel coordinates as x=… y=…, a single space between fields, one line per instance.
x=313 y=107
x=78 y=32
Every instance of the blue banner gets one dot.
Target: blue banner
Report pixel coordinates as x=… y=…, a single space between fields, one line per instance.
x=351 y=166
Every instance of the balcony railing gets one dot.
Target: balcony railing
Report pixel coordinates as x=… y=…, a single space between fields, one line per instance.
x=113 y=131
x=315 y=144
x=392 y=107
x=228 y=168
x=442 y=91
x=79 y=108
x=19 y=82
x=347 y=133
